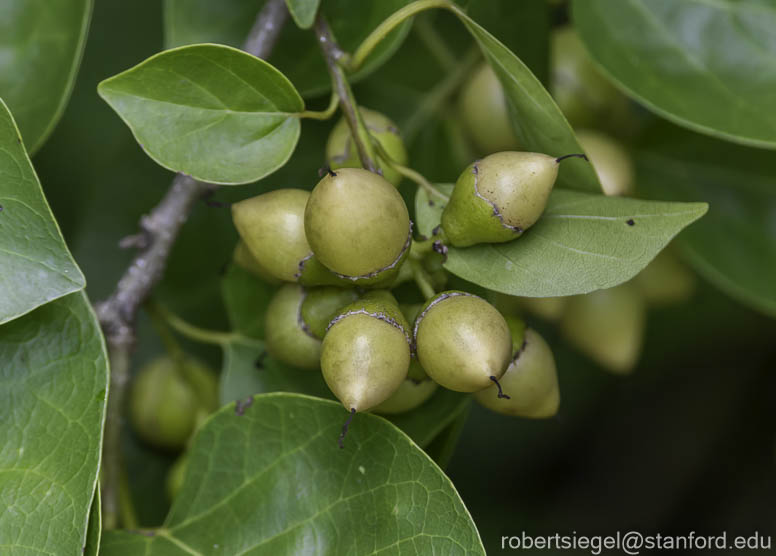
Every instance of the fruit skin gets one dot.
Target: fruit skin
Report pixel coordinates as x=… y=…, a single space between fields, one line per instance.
x=341 y=152
x=531 y=378
x=610 y=161
x=483 y=109
x=410 y=395
x=313 y=273
x=167 y=400
x=415 y=371
x=357 y=223
x=547 y=308
x=366 y=351
x=665 y=280
x=287 y=339
x=320 y=305
x=245 y=259
x=499 y=197
x=461 y=341
x=608 y=326
x=272 y=227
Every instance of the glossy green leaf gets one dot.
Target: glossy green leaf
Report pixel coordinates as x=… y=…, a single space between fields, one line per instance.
x=246 y=299
x=210 y=111
x=267 y=477
x=297 y=53
x=539 y=123
x=36 y=266
x=53 y=383
x=94 y=530
x=303 y=11
x=581 y=243
x=40 y=51
x=706 y=65
x=734 y=245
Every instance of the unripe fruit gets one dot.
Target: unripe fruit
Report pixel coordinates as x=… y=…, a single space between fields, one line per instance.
x=531 y=378
x=272 y=227
x=462 y=341
x=357 y=223
x=341 y=151
x=410 y=395
x=410 y=313
x=499 y=197
x=245 y=259
x=366 y=351
x=287 y=338
x=547 y=308
x=665 y=280
x=483 y=109
x=175 y=475
x=607 y=325
x=610 y=161
x=168 y=400
x=320 y=305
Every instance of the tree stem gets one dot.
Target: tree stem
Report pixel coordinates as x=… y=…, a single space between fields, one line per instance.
x=117 y=314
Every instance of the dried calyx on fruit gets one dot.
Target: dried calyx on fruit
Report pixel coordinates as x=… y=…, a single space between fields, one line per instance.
x=358 y=226
x=498 y=197
x=169 y=398
x=341 y=151
x=462 y=341
x=531 y=378
x=366 y=351
x=287 y=337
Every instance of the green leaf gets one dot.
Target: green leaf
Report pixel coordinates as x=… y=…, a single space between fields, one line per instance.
x=41 y=45
x=246 y=299
x=581 y=243
x=734 y=246
x=52 y=407
x=297 y=53
x=706 y=65
x=210 y=111
x=94 y=530
x=428 y=421
x=539 y=123
x=268 y=478
x=303 y=11
x=36 y=265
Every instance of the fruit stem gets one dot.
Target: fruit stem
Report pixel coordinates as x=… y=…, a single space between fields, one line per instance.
x=422 y=279
x=574 y=155
x=409 y=173
x=341 y=439
x=500 y=393
x=126 y=508
x=196 y=333
x=322 y=114
x=435 y=44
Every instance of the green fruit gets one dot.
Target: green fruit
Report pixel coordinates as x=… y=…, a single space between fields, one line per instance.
x=175 y=476
x=584 y=95
x=410 y=395
x=416 y=371
x=484 y=112
x=313 y=273
x=665 y=280
x=357 y=224
x=288 y=339
x=531 y=378
x=547 y=308
x=608 y=326
x=245 y=259
x=320 y=305
x=366 y=351
x=499 y=197
x=462 y=341
x=272 y=227
x=341 y=152
x=167 y=399
x=611 y=162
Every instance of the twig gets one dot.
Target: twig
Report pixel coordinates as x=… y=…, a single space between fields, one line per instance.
x=159 y=229
x=333 y=54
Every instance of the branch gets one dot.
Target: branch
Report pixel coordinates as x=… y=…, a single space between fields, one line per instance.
x=159 y=230
x=332 y=53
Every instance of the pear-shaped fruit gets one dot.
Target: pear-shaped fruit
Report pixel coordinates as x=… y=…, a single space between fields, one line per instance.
x=610 y=161
x=357 y=224
x=410 y=395
x=608 y=326
x=531 y=378
x=499 y=197
x=665 y=280
x=341 y=151
x=366 y=351
x=462 y=341
x=272 y=227
x=245 y=259
x=320 y=305
x=168 y=398
x=288 y=339
x=484 y=112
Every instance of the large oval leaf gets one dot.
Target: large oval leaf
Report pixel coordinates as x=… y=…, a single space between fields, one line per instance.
x=705 y=65
x=53 y=384
x=268 y=478
x=297 y=54
x=210 y=111
x=303 y=11
x=734 y=246
x=581 y=243
x=40 y=50
x=539 y=123
x=35 y=265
